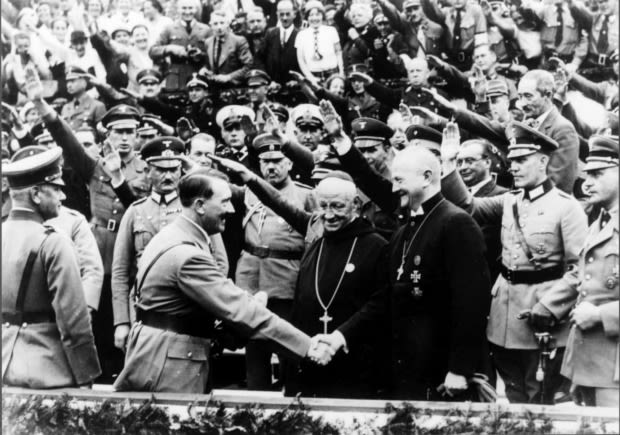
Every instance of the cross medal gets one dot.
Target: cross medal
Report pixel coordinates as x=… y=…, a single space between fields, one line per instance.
x=325 y=319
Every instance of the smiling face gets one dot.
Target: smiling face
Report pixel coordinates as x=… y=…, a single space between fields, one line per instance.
x=214 y=210
x=338 y=203
x=186 y=9
x=140 y=38
x=315 y=18
x=602 y=187
x=415 y=174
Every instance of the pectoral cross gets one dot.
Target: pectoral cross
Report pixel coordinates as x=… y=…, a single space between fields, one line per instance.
x=415 y=276
x=400 y=272
x=325 y=319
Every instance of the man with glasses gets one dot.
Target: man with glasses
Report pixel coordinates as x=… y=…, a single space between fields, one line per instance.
x=421 y=35
x=474 y=162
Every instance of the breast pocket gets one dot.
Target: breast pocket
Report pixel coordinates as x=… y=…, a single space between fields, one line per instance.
x=611 y=267
x=541 y=239
x=141 y=237
x=185 y=369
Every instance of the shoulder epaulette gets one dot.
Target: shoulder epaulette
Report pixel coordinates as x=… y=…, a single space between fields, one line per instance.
x=302 y=185
x=139 y=201
x=49 y=229
x=564 y=194
x=515 y=191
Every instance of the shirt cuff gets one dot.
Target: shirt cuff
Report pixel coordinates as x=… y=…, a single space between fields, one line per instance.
x=341 y=340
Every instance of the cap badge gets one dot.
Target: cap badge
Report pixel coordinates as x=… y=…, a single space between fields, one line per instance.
x=272 y=147
x=167 y=153
x=167 y=143
x=363 y=124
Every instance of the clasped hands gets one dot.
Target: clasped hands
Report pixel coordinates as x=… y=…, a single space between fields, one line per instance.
x=323 y=347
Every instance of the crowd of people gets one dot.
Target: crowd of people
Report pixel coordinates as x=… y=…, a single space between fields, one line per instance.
x=400 y=199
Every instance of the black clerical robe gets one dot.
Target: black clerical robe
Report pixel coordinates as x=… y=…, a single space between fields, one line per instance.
x=357 y=311
x=439 y=303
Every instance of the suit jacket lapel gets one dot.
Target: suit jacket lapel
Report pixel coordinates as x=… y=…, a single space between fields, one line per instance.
x=291 y=39
x=210 y=52
x=486 y=189
x=227 y=48
x=605 y=233
x=548 y=121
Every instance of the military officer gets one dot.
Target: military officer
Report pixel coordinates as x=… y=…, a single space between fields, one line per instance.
x=233 y=136
x=591 y=358
x=181 y=292
x=82 y=107
x=258 y=82
x=543 y=230
x=107 y=210
x=47 y=341
x=271 y=252
x=142 y=220
x=309 y=124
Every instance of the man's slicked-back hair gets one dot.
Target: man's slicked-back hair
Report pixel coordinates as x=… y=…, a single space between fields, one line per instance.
x=545 y=83
x=195 y=185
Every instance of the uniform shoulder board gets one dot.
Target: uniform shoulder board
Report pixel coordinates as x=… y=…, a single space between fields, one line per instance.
x=564 y=194
x=515 y=191
x=140 y=201
x=408 y=89
x=302 y=185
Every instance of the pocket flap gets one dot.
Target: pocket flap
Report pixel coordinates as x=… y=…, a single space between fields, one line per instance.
x=187 y=350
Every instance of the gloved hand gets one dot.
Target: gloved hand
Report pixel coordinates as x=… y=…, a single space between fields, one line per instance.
x=541 y=319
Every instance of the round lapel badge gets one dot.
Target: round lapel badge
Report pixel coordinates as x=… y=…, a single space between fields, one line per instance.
x=349 y=268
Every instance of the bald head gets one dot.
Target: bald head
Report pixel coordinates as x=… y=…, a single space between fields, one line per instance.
x=336 y=186
x=416 y=176
x=417 y=72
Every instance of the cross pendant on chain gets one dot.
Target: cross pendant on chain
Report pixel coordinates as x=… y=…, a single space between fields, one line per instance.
x=325 y=319
x=400 y=272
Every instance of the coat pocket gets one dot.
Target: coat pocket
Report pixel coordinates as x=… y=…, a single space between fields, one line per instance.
x=186 y=367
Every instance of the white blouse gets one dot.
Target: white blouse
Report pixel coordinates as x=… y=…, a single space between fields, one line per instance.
x=327 y=38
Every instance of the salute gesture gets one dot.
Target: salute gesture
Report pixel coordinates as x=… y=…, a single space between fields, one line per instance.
x=332 y=121
x=450 y=147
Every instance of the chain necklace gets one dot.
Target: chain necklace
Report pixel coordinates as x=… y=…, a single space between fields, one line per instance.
x=326 y=318
x=407 y=247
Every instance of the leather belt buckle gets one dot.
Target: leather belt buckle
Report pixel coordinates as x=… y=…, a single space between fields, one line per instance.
x=602 y=59
x=111 y=225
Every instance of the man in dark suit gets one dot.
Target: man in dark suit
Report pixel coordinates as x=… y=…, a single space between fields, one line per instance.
x=280 y=53
x=228 y=55
x=474 y=165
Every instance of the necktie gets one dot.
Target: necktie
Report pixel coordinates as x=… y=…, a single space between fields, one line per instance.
x=456 y=38
x=603 y=42
x=559 y=33
x=317 y=53
x=188 y=27
x=216 y=55
x=604 y=218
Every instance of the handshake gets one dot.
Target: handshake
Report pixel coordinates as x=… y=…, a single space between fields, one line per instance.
x=323 y=347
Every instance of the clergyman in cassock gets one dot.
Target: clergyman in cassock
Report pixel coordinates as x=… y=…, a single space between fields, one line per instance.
x=340 y=290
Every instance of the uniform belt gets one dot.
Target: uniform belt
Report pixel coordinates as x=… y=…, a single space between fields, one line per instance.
x=109 y=224
x=30 y=317
x=265 y=252
x=599 y=59
x=186 y=325
x=532 y=276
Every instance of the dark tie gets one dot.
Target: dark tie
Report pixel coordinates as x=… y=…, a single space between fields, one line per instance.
x=604 y=218
x=456 y=38
x=317 y=53
x=603 y=42
x=559 y=33
x=188 y=27
x=216 y=55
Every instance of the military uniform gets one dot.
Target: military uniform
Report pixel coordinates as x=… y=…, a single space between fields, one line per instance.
x=543 y=230
x=591 y=358
x=270 y=258
x=47 y=341
x=180 y=298
x=107 y=211
x=83 y=109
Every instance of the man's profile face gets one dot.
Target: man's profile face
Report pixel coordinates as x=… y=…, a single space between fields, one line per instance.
x=602 y=186
x=336 y=204
x=49 y=199
x=472 y=164
x=217 y=208
x=499 y=106
x=408 y=182
x=376 y=156
x=76 y=86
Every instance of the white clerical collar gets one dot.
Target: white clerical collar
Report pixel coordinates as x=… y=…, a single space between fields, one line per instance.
x=476 y=187
x=418 y=212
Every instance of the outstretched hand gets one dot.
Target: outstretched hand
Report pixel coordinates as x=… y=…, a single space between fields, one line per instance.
x=234 y=167
x=450 y=142
x=33 y=86
x=441 y=101
x=331 y=119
